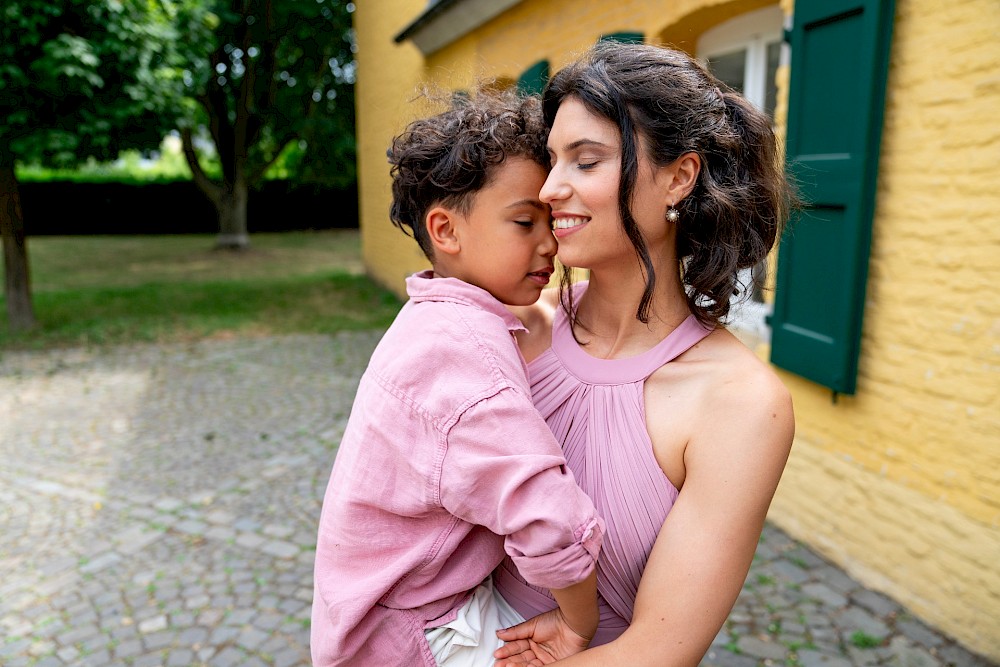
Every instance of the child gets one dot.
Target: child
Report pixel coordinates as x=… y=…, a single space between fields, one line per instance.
x=445 y=465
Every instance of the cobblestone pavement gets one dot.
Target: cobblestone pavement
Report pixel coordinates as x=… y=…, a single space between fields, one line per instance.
x=158 y=506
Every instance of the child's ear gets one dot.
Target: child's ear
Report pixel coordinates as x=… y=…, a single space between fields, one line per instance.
x=442 y=230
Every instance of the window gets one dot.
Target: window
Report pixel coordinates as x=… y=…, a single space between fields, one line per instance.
x=745 y=52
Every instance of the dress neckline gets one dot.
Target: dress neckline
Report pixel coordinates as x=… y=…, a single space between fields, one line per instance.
x=628 y=370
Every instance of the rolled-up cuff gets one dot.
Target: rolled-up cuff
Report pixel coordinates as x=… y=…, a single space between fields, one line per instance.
x=568 y=566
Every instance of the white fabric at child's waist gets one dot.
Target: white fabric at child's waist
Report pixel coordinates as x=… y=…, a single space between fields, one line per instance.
x=470 y=639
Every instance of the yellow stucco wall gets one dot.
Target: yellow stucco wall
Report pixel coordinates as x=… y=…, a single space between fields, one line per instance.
x=899 y=485
x=388 y=77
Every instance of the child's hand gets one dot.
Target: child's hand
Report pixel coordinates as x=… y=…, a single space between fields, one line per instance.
x=539 y=641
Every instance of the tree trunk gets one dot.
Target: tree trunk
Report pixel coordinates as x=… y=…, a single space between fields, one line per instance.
x=17 y=280
x=232 y=210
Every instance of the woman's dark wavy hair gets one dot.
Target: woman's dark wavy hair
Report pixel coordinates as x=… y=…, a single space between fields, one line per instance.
x=671 y=103
x=447 y=158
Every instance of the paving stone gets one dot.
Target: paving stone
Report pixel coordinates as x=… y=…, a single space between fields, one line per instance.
x=918 y=632
x=812 y=658
x=250 y=540
x=905 y=654
x=957 y=656
x=128 y=649
x=96 y=659
x=192 y=636
x=168 y=504
x=40 y=648
x=223 y=634
x=158 y=640
x=57 y=565
x=77 y=634
x=288 y=658
x=52 y=661
x=761 y=649
x=824 y=594
x=864 y=657
x=95 y=643
x=280 y=549
x=790 y=572
x=246 y=525
x=854 y=619
x=220 y=517
x=267 y=621
x=191 y=527
x=220 y=533
x=274 y=644
x=101 y=562
x=181 y=619
x=68 y=653
x=180 y=658
x=874 y=602
x=148 y=660
x=724 y=658
x=251 y=638
x=154 y=624
x=228 y=657
x=209 y=617
x=244 y=588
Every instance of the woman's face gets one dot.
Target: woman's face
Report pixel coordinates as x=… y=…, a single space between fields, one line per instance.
x=582 y=189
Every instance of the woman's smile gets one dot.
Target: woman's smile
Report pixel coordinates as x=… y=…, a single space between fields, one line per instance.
x=562 y=225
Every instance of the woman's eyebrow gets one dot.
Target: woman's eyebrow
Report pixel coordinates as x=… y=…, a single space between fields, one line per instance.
x=582 y=142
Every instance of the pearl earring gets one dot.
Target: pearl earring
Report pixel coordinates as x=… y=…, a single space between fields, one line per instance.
x=673 y=215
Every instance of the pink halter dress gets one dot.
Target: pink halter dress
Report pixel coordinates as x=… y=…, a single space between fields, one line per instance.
x=595 y=409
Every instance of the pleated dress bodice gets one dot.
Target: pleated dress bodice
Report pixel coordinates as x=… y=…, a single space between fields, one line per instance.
x=595 y=409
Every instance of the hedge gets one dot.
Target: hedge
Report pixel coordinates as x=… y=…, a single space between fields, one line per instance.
x=72 y=208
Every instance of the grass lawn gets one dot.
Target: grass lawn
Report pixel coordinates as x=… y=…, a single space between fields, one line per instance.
x=97 y=290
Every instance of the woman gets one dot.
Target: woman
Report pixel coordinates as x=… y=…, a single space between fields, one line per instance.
x=664 y=186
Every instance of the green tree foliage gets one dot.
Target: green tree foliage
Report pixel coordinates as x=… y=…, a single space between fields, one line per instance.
x=270 y=80
x=78 y=79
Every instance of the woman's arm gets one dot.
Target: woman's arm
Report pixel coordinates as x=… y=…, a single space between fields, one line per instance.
x=703 y=552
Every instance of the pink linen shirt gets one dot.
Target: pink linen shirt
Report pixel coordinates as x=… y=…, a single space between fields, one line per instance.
x=444 y=455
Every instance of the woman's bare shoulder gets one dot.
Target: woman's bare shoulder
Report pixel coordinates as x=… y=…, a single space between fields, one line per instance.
x=718 y=381
x=740 y=393
x=717 y=395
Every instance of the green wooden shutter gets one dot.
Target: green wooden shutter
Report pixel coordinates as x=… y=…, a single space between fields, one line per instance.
x=840 y=56
x=534 y=78
x=625 y=37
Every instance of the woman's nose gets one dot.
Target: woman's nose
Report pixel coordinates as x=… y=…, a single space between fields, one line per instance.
x=554 y=187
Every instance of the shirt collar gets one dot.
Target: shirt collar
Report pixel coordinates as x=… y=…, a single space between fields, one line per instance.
x=424 y=286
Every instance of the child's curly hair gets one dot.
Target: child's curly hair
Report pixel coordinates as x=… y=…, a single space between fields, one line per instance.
x=446 y=158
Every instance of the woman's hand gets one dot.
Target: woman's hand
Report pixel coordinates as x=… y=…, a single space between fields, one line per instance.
x=539 y=641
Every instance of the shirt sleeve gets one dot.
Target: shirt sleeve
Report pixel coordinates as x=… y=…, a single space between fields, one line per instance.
x=504 y=470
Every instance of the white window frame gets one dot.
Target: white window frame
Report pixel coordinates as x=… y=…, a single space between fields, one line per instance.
x=752 y=31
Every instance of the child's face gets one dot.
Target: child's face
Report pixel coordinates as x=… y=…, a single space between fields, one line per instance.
x=506 y=238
